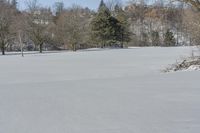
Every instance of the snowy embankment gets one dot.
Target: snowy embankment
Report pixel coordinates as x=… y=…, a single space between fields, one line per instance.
x=190 y=63
x=111 y=91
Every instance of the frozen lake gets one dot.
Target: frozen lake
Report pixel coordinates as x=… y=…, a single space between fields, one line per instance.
x=107 y=91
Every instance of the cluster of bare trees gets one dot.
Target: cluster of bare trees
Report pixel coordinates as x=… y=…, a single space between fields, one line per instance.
x=150 y=24
x=72 y=28
x=41 y=28
x=192 y=21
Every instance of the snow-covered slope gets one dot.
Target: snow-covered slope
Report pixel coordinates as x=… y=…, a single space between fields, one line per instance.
x=111 y=91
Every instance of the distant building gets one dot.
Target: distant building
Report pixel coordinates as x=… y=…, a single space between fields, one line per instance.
x=43 y=16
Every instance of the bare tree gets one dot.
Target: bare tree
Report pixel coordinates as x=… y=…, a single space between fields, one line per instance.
x=112 y=3
x=138 y=9
x=32 y=5
x=72 y=27
x=39 y=20
x=192 y=24
x=194 y=3
x=19 y=29
x=6 y=14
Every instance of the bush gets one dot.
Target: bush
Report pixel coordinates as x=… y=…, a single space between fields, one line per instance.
x=169 y=39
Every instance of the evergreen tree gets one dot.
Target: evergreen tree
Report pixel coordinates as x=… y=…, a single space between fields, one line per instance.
x=104 y=27
x=123 y=33
x=169 y=39
x=102 y=4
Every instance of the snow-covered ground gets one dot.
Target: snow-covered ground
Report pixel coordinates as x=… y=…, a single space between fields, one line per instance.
x=109 y=91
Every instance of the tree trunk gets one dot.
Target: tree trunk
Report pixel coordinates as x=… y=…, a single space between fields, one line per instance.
x=74 y=47
x=21 y=45
x=122 y=44
x=3 y=49
x=122 y=41
x=177 y=39
x=41 y=48
x=102 y=44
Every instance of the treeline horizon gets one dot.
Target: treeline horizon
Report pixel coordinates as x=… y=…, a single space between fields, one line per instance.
x=111 y=25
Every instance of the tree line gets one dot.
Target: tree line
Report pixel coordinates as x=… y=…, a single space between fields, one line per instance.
x=160 y=23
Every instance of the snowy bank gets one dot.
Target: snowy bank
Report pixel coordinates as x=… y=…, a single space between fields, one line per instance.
x=188 y=64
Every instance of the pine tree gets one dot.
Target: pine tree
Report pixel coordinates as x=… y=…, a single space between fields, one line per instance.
x=102 y=4
x=123 y=33
x=169 y=39
x=104 y=27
